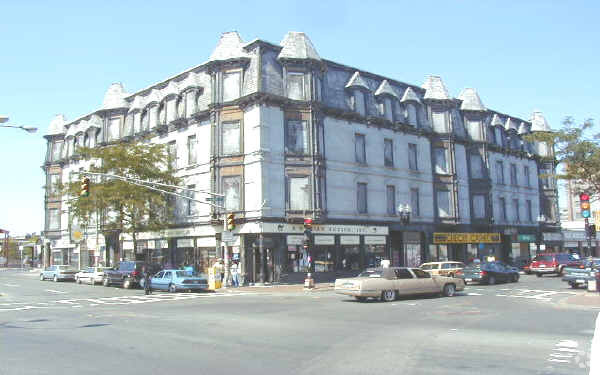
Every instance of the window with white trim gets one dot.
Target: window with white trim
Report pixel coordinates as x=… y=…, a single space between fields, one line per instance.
x=296 y=140
x=388 y=152
x=479 y=206
x=476 y=166
x=114 y=125
x=231 y=137
x=231 y=85
x=54 y=219
x=415 y=208
x=361 y=198
x=443 y=202
x=300 y=193
x=232 y=191
x=360 y=151
x=191 y=145
x=441 y=161
x=391 y=199
x=295 y=85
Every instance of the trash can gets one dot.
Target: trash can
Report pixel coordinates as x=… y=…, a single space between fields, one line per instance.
x=214 y=280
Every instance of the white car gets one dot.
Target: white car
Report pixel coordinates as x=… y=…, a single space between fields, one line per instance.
x=90 y=275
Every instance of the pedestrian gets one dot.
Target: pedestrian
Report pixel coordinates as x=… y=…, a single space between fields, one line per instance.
x=219 y=269
x=147 y=281
x=235 y=273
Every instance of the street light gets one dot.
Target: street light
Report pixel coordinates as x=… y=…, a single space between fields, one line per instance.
x=404 y=211
x=28 y=129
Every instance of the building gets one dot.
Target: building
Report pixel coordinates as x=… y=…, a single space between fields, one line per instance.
x=284 y=135
x=573 y=224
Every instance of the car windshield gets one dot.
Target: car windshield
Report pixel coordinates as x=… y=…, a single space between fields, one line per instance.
x=429 y=266
x=543 y=258
x=371 y=273
x=66 y=268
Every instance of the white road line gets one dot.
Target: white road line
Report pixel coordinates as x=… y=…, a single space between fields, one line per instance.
x=559 y=360
x=474 y=294
x=567 y=343
x=11 y=285
x=595 y=350
x=55 y=291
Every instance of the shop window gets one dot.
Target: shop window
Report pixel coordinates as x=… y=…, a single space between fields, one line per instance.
x=172 y=154
x=231 y=86
x=479 y=206
x=295 y=86
x=414 y=202
x=113 y=128
x=232 y=192
x=443 y=201
x=296 y=140
x=374 y=254
x=300 y=193
x=191 y=146
x=438 y=253
x=441 y=162
x=231 y=137
x=391 y=199
x=388 y=152
x=476 y=166
x=412 y=157
x=54 y=219
x=361 y=198
x=360 y=152
x=516 y=214
x=499 y=172
x=513 y=174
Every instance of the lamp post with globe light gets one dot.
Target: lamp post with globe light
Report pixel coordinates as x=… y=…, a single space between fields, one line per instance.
x=28 y=129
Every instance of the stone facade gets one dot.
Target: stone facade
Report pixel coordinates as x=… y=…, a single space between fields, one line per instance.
x=286 y=135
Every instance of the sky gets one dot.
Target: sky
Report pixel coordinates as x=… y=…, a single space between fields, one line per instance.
x=61 y=57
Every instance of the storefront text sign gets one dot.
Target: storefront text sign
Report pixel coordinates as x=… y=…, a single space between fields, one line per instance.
x=374 y=240
x=325 y=240
x=185 y=242
x=442 y=238
x=526 y=238
x=553 y=237
x=574 y=235
x=349 y=240
x=295 y=239
x=324 y=229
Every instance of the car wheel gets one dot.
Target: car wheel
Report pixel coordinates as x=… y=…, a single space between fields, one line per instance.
x=538 y=274
x=515 y=278
x=560 y=271
x=573 y=285
x=491 y=280
x=41 y=277
x=465 y=281
x=449 y=290
x=172 y=288
x=55 y=278
x=388 y=295
x=78 y=280
x=127 y=284
x=142 y=283
x=105 y=282
x=360 y=299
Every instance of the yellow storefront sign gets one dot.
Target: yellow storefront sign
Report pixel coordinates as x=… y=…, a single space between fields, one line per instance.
x=440 y=238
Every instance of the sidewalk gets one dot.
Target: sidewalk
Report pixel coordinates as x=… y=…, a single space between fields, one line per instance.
x=281 y=288
x=589 y=299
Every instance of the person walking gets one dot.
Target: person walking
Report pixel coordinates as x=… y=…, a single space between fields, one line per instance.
x=235 y=273
x=147 y=281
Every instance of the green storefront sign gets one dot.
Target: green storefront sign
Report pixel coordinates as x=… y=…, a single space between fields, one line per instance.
x=526 y=238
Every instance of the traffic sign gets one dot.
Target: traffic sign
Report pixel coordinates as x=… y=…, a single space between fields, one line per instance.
x=214 y=199
x=227 y=236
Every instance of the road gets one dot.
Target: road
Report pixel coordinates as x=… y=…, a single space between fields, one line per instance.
x=527 y=327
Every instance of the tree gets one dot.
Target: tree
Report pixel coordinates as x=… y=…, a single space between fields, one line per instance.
x=577 y=150
x=124 y=206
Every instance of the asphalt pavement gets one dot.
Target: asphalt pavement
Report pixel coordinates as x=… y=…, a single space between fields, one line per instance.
x=535 y=326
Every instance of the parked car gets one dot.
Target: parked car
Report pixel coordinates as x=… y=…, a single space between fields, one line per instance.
x=175 y=280
x=552 y=263
x=127 y=274
x=90 y=275
x=489 y=273
x=58 y=273
x=579 y=276
x=389 y=283
x=448 y=268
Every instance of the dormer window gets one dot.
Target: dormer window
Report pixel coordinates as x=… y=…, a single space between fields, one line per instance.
x=162 y=113
x=410 y=114
x=499 y=136
x=491 y=135
x=113 y=128
x=439 y=122
x=231 y=85
x=145 y=121
x=295 y=86
x=180 y=105
x=357 y=101
x=56 y=150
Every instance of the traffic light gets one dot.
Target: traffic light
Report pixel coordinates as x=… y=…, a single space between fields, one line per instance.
x=308 y=223
x=85 y=187
x=592 y=230
x=230 y=222
x=584 y=203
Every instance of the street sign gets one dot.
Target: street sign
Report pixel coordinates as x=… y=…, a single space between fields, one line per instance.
x=227 y=236
x=214 y=199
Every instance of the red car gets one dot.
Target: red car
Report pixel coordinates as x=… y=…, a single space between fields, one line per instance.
x=552 y=263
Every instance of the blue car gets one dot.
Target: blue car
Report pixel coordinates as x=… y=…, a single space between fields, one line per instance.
x=175 y=280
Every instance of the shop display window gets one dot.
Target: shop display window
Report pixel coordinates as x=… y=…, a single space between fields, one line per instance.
x=412 y=255
x=374 y=255
x=438 y=253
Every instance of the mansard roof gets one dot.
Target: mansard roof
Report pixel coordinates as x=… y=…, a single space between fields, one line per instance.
x=523 y=128
x=357 y=81
x=410 y=96
x=230 y=46
x=115 y=97
x=496 y=121
x=138 y=103
x=386 y=89
x=435 y=89
x=296 y=45
x=57 y=125
x=470 y=100
x=539 y=123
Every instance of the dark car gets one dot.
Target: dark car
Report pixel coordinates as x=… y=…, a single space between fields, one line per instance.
x=489 y=273
x=127 y=274
x=579 y=276
x=552 y=263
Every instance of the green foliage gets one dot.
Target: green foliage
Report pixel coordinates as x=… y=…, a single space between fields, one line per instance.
x=577 y=149
x=122 y=205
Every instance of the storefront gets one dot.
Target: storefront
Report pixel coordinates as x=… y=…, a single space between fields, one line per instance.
x=552 y=242
x=463 y=247
x=575 y=241
x=525 y=246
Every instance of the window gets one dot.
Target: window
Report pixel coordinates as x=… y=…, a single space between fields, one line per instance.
x=231 y=86
x=411 y=114
x=53 y=219
x=361 y=198
x=491 y=135
x=359 y=148
x=421 y=274
x=479 y=206
x=145 y=121
x=414 y=202
x=172 y=151
x=441 y=165
x=386 y=107
x=502 y=209
x=191 y=144
x=443 y=202
x=498 y=137
x=388 y=152
x=56 y=150
x=190 y=205
x=439 y=122
x=513 y=174
x=529 y=211
x=499 y=172
x=358 y=102
x=474 y=130
x=296 y=137
x=516 y=214
x=476 y=166
x=53 y=181
x=391 y=199
x=295 y=86
x=231 y=137
x=86 y=140
x=300 y=193
x=180 y=107
x=403 y=273
x=412 y=157
x=231 y=190
x=113 y=128
x=526 y=175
